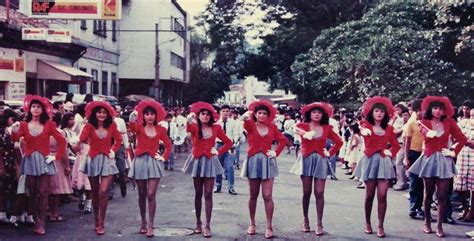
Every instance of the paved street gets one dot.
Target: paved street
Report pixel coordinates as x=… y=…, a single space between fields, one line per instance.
x=343 y=218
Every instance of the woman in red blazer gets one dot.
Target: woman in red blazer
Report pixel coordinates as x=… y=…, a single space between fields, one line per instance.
x=376 y=168
x=436 y=164
x=100 y=132
x=36 y=131
x=147 y=167
x=203 y=163
x=312 y=164
x=261 y=167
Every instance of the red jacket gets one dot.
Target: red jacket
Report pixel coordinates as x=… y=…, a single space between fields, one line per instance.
x=375 y=143
x=98 y=145
x=319 y=144
x=202 y=147
x=436 y=144
x=150 y=145
x=41 y=142
x=258 y=143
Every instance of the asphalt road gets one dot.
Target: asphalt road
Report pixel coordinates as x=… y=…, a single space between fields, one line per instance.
x=343 y=216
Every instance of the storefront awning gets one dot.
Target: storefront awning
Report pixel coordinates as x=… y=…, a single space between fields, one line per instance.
x=56 y=71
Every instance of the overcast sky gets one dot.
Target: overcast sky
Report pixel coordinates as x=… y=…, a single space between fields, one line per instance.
x=193 y=7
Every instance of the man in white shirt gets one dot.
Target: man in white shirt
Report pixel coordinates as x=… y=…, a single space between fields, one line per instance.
x=227 y=159
x=180 y=122
x=289 y=127
x=398 y=125
x=171 y=132
x=120 y=156
x=239 y=126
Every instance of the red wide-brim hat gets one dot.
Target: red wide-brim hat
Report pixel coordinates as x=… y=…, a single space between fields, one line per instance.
x=44 y=101
x=368 y=104
x=448 y=106
x=196 y=107
x=160 y=111
x=326 y=107
x=93 y=104
x=266 y=103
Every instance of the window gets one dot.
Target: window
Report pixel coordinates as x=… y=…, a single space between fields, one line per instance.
x=104 y=29
x=113 y=78
x=100 y=28
x=84 y=24
x=83 y=87
x=179 y=28
x=177 y=61
x=105 y=83
x=95 y=81
x=114 y=31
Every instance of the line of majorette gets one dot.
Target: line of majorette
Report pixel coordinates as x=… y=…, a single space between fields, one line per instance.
x=100 y=136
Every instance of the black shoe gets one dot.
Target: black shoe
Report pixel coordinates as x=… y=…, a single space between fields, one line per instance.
x=412 y=214
x=421 y=214
x=232 y=192
x=166 y=168
x=171 y=169
x=334 y=178
x=111 y=197
x=123 y=189
x=449 y=220
x=218 y=190
x=81 y=204
x=348 y=173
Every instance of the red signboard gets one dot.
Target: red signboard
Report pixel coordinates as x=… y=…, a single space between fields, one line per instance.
x=7 y=64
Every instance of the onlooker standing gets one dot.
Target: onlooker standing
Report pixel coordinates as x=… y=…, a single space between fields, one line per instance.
x=170 y=127
x=398 y=126
x=120 y=155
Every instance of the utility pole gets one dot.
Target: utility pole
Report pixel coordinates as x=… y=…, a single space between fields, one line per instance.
x=156 y=85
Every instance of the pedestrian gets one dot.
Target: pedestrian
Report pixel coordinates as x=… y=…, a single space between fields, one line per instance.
x=36 y=131
x=260 y=167
x=464 y=180
x=120 y=156
x=171 y=130
x=147 y=168
x=227 y=159
x=436 y=164
x=203 y=163
x=312 y=165
x=375 y=168
x=100 y=167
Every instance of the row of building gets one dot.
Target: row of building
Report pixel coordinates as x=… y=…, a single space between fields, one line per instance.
x=144 y=53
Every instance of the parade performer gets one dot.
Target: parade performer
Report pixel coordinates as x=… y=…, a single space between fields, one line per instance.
x=100 y=132
x=261 y=168
x=147 y=167
x=436 y=165
x=375 y=168
x=36 y=131
x=313 y=161
x=203 y=163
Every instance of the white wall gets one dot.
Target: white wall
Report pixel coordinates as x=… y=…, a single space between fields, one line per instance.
x=13 y=80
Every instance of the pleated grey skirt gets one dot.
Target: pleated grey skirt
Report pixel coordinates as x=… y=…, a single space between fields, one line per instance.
x=313 y=165
x=35 y=165
x=101 y=165
x=146 y=167
x=374 y=167
x=259 y=166
x=203 y=166
x=435 y=165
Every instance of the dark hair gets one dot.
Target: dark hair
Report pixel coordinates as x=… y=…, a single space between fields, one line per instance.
x=224 y=107
x=81 y=109
x=56 y=104
x=44 y=117
x=324 y=119
x=260 y=107
x=416 y=105
x=65 y=120
x=57 y=118
x=149 y=109
x=93 y=118
x=69 y=97
x=7 y=114
x=429 y=114
x=385 y=120
x=88 y=98
x=210 y=123
x=355 y=128
x=402 y=107
x=468 y=103
x=169 y=115
x=2 y=102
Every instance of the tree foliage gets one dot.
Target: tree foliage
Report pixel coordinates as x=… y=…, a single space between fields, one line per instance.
x=394 y=50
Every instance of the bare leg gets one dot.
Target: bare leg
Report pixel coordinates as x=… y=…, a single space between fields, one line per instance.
x=254 y=188
x=43 y=197
x=319 y=186
x=382 y=190
x=105 y=183
x=95 y=184
x=208 y=190
x=307 y=183
x=429 y=190
x=33 y=200
x=267 y=194
x=441 y=193
x=142 y=193
x=198 y=192
x=151 y=197
x=369 y=200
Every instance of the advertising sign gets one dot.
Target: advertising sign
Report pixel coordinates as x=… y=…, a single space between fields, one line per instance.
x=33 y=34
x=59 y=36
x=7 y=64
x=73 y=9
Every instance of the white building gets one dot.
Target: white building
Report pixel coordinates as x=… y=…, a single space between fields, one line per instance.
x=139 y=50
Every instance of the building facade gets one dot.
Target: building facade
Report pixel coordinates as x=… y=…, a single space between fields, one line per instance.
x=154 y=56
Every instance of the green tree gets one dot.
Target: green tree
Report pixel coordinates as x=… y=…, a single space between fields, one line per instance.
x=394 y=50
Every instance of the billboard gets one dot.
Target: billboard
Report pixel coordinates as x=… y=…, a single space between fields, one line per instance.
x=73 y=9
x=48 y=34
x=33 y=33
